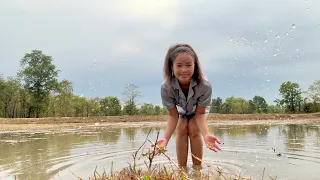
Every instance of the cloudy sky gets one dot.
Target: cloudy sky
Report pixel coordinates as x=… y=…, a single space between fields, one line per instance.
x=246 y=48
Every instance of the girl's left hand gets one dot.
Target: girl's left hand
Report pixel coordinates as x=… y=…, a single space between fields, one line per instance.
x=210 y=141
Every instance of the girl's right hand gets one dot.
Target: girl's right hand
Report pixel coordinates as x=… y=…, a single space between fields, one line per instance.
x=161 y=143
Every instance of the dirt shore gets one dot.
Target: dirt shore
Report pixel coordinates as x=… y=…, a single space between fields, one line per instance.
x=60 y=123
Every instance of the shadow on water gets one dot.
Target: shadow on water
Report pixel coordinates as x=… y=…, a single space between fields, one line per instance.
x=283 y=150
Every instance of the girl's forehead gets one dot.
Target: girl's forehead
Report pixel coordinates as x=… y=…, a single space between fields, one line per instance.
x=183 y=57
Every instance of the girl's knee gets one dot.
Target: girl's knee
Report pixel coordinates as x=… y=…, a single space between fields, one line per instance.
x=193 y=129
x=194 y=132
x=182 y=128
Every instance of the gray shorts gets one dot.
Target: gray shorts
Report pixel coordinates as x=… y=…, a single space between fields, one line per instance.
x=188 y=117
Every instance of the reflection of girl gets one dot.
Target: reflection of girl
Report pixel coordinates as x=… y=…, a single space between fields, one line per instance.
x=187 y=96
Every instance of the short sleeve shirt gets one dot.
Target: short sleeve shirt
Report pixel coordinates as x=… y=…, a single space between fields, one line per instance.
x=198 y=95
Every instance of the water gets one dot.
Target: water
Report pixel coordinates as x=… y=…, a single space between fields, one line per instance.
x=245 y=149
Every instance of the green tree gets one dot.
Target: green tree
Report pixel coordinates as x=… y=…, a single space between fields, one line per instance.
x=13 y=102
x=131 y=97
x=80 y=106
x=130 y=108
x=260 y=104
x=313 y=93
x=252 y=107
x=157 y=110
x=275 y=109
x=110 y=106
x=234 y=105
x=63 y=105
x=216 y=105
x=3 y=86
x=291 y=96
x=93 y=107
x=40 y=77
x=147 y=109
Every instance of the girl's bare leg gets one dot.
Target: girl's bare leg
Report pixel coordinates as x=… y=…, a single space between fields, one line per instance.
x=195 y=141
x=182 y=142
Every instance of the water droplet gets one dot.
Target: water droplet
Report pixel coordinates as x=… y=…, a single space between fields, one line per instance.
x=291 y=38
x=297 y=69
x=306 y=1
x=297 y=50
x=268 y=80
x=287 y=33
x=262 y=85
x=235 y=76
x=277 y=72
x=308 y=9
x=275 y=54
x=266 y=67
x=277 y=36
x=265 y=74
x=293 y=26
x=265 y=40
x=230 y=39
x=270 y=30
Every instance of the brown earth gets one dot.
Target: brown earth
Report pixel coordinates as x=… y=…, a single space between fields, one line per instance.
x=58 y=123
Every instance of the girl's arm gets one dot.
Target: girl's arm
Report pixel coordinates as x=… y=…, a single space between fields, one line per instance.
x=171 y=123
x=209 y=139
x=201 y=120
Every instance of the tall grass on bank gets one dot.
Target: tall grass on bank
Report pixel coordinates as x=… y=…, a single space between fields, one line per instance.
x=156 y=171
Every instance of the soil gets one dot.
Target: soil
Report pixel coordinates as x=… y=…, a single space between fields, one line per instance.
x=60 y=123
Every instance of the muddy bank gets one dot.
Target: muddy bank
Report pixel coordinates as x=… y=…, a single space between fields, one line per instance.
x=137 y=118
x=67 y=126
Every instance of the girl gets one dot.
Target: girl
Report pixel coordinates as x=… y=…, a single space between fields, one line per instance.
x=187 y=95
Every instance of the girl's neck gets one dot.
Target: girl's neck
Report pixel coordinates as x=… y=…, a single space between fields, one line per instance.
x=184 y=85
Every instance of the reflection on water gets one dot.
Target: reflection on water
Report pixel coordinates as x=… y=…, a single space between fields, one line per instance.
x=285 y=151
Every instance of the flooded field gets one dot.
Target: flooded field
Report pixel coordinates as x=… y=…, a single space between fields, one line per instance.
x=285 y=151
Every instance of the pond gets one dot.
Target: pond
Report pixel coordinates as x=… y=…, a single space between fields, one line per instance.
x=246 y=150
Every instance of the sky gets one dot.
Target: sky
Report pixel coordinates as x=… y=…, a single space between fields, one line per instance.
x=245 y=48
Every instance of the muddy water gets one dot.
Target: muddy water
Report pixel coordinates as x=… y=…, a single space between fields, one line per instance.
x=284 y=151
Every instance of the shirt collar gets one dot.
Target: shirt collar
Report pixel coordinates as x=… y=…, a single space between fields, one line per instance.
x=175 y=83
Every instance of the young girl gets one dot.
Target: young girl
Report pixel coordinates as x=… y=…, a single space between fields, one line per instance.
x=187 y=95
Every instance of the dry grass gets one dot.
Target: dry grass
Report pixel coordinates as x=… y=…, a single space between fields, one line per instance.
x=156 y=171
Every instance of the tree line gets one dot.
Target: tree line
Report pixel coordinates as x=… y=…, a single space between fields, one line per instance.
x=36 y=92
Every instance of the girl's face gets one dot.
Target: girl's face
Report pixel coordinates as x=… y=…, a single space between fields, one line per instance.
x=183 y=67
